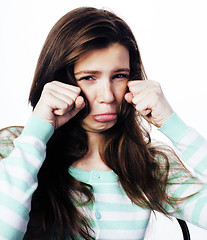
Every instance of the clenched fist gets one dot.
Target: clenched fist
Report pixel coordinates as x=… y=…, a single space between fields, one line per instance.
x=59 y=102
x=149 y=100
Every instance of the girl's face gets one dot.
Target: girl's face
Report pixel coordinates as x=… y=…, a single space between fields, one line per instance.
x=102 y=75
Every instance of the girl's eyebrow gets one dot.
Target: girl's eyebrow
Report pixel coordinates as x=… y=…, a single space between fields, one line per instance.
x=123 y=70
x=98 y=72
x=86 y=72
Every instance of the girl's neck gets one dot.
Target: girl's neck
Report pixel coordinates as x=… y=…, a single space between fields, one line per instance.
x=92 y=160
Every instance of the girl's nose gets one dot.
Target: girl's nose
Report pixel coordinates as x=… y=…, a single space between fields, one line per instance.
x=105 y=93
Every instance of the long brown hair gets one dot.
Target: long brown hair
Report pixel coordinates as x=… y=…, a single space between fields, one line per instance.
x=129 y=153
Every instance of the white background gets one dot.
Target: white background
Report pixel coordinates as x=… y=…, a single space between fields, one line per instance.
x=173 y=43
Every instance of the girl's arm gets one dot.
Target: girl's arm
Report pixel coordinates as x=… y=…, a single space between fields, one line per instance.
x=58 y=103
x=149 y=100
x=192 y=149
x=18 y=177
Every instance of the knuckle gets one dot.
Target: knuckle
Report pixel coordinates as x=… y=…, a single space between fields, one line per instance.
x=157 y=84
x=69 y=104
x=65 y=105
x=134 y=101
x=76 y=87
x=154 y=84
x=158 y=87
x=47 y=86
x=54 y=82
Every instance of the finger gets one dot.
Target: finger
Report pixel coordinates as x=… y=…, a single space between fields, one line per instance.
x=67 y=86
x=72 y=110
x=146 y=112
x=143 y=110
x=65 y=89
x=137 y=86
x=69 y=99
x=134 y=82
x=79 y=104
x=140 y=97
x=143 y=103
x=60 y=106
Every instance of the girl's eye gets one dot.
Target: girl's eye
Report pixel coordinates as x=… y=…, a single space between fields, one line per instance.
x=121 y=76
x=87 y=78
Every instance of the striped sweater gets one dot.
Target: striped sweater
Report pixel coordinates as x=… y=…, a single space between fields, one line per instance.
x=113 y=215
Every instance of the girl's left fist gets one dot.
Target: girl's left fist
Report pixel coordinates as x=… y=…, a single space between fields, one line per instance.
x=149 y=100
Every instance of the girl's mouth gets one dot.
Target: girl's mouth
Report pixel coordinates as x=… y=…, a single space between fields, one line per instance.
x=105 y=117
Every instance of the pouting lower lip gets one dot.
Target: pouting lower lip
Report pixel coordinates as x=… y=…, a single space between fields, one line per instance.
x=105 y=117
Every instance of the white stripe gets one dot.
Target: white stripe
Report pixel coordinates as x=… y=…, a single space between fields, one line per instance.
x=120 y=234
x=187 y=140
x=18 y=153
x=188 y=210
x=112 y=198
x=195 y=159
x=2 y=238
x=17 y=172
x=198 y=155
x=203 y=219
x=37 y=143
x=189 y=189
x=189 y=207
x=105 y=184
x=124 y=216
x=17 y=194
x=13 y=219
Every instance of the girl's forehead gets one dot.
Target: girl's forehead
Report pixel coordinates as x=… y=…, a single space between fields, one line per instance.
x=114 y=56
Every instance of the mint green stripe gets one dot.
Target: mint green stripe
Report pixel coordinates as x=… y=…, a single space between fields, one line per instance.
x=6 y=230
x=188 y=201
x=122 y=225
x=115 y=207
x=21 y=163
x=5 y=152
x=200 y=167
x=39 y=128
x=192 y=148
x=200 y=204
x=177 y=177
x=106 y=189
x=16 y=182
x=14 y=205
x=174 y=128
x=179 y=191
x=29 y=149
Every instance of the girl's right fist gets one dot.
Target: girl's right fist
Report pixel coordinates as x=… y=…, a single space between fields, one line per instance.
x=59 y=102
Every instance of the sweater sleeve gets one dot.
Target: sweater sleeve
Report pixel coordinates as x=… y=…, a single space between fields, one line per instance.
x=18 y=177
x=191 y=147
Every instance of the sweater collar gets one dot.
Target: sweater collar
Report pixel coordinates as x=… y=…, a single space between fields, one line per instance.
x=93 y=176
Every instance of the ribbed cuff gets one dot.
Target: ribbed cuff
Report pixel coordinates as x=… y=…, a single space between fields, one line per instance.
x=174 y=128
x=39 y=128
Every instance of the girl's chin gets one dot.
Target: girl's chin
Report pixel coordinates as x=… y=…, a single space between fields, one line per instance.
x=98 y=127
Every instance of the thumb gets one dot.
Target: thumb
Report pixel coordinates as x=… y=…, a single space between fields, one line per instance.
x=79 y=104
x=128 y=97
